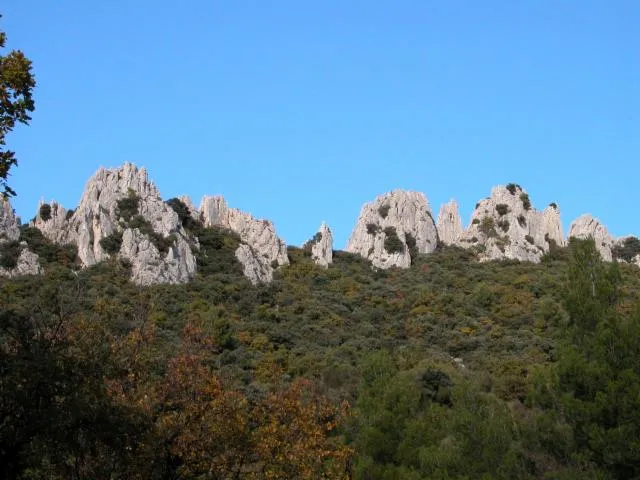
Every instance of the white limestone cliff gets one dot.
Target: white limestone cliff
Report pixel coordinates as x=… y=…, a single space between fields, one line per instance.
x=98 y=217
x=449 y=224
x=261 y=251
x=391 y=226
x=506 y=226
x=587 y=226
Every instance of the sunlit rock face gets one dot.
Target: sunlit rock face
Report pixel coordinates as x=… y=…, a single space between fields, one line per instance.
x=505 y=225
x=587 y=226
x=391 y=227
x=99 y=217
x=261 y=251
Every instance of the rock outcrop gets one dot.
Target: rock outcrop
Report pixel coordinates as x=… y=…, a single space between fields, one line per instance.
x=261 y=250
x=587 y=226
x=449 y=223
x=321 y=246
x=505 y=225
x=122 y=208
x=391 y=227
x=9 y=223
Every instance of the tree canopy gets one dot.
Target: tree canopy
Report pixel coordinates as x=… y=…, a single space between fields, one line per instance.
x=16 y=103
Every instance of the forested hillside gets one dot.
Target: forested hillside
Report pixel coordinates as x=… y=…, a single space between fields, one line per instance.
x=449 y=369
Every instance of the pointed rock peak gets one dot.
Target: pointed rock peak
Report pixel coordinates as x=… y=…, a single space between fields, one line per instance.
x=321 y=246
x=125 y=180
x=586 y=226
x=261 y=250
x=449 y=223
x=394 y=227
x=9 y=223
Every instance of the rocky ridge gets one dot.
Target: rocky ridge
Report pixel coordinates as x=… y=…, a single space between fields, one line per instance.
x=121 y=214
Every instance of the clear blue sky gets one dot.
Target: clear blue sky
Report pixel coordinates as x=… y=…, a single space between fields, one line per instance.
x=301 y=110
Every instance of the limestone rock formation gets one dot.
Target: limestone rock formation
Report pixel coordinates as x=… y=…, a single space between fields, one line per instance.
x=9 y=223
x=449 y=223
x=391 y=227
x=261 y=251
x=587 y=226
x=505 y=225
x=148 y=220
x=321 y=246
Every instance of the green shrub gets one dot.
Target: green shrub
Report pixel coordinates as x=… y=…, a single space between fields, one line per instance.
x=111 y=243
x=529 y=239
x=553 y=205
x=161 y=243
x=384 y=210
x=45 y=212
x=310 y=243
x=502 y=209
x=488 y=227
x=184 y=215
x=69 y=214
x=628 y=250
x=127 y=207
x=475 y=221
x=526 y=203
x=47 y=251
x=373 y=228
x=9 y=254
x=504 y=225
x=392 y=243
x=522 y=221
x=512 y=187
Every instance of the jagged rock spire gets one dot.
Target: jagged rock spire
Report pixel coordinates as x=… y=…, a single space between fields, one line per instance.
x=321 y=246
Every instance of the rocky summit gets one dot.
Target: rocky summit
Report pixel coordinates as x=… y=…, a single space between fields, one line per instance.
x=393 y=226
x=505 y=225
x=122 y=215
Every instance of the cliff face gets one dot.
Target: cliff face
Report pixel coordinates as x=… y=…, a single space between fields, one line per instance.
x=505 y=225
x=391 y=227
x=261 y=251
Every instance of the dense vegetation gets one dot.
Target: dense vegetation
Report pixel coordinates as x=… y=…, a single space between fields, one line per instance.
x=451 y=369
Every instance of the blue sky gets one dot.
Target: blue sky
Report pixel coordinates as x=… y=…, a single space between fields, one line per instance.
x=300 y=111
